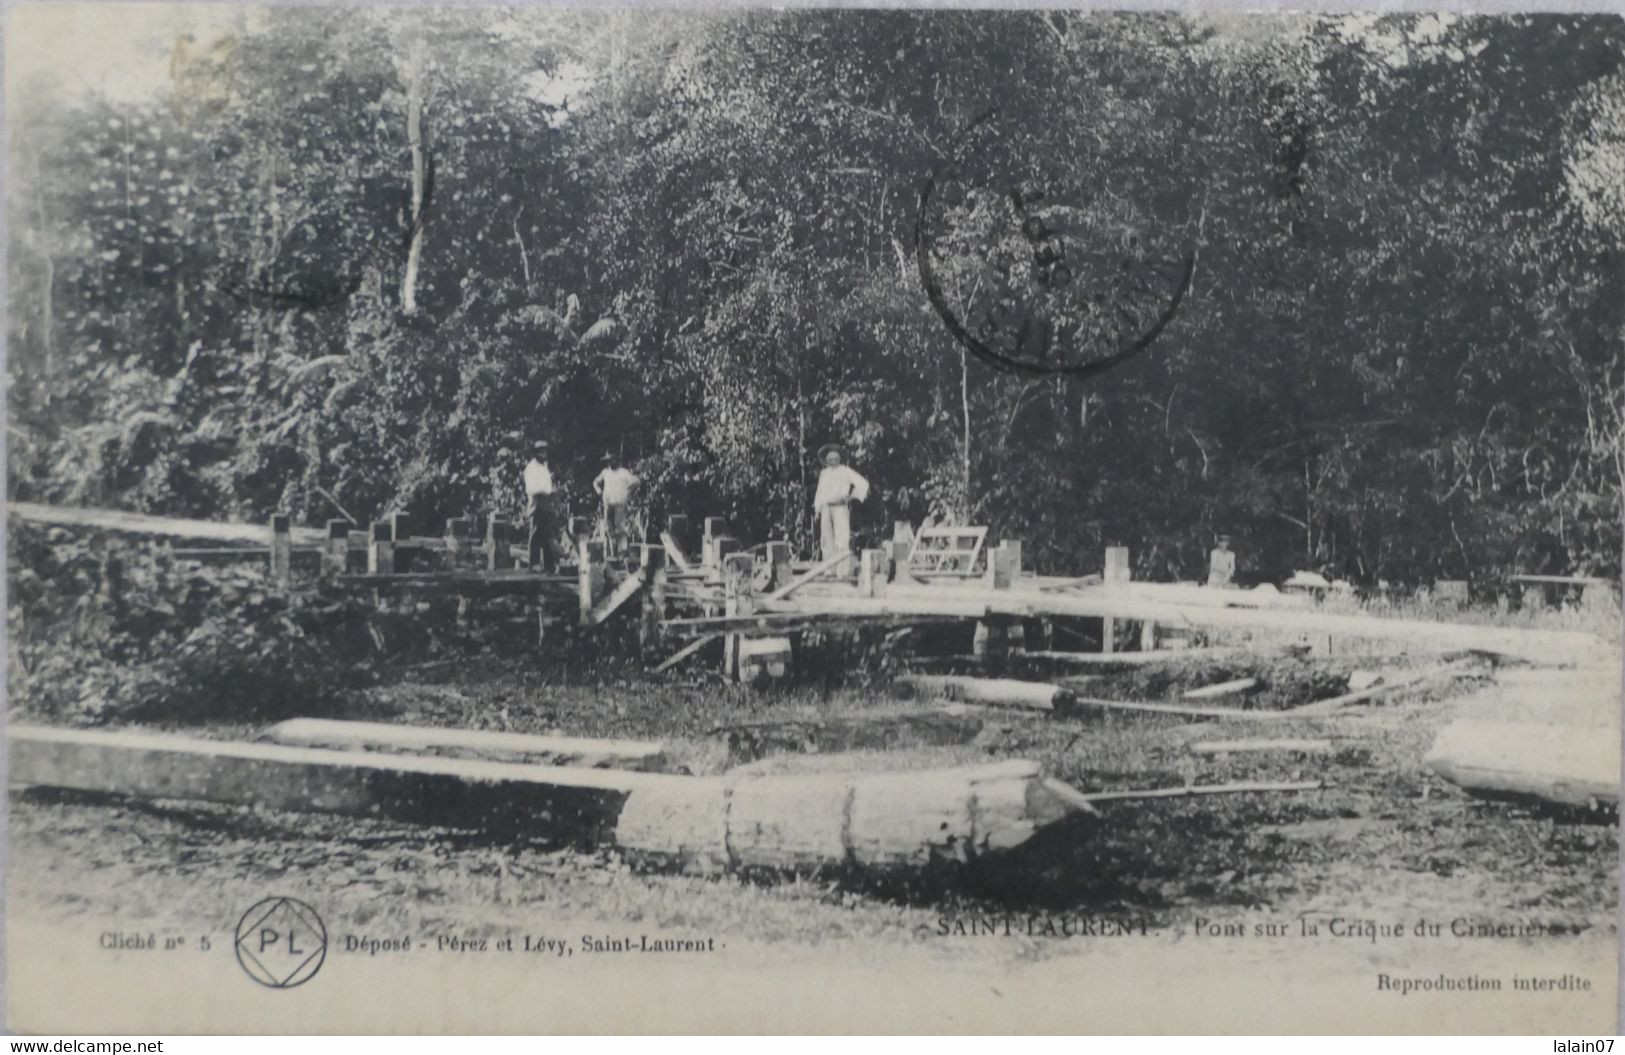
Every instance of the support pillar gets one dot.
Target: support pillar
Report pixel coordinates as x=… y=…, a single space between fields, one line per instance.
x=281 y=549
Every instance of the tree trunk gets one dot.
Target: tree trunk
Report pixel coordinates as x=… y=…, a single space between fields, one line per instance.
x=414 y=136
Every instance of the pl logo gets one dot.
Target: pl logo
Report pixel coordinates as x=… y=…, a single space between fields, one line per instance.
x=281 y=942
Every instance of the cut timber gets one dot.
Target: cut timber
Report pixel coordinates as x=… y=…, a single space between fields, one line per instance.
x=801 y=580
x=142 y=524
x=1035 y=695
x=1546 y=647
x=1194 y=789
x=623 y=593
x=1223 y=688
x=1236 y=747
x=809 y=822
x=685 y=652
x=1142 y=659
x=1568 y=765
x=675 y=552
x=474 y=743
x=1079 y=703
x=935 y=726
x=1454 y=670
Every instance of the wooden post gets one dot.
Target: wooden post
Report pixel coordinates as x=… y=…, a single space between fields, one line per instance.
x=1148 y=636
x=400 y=532
x=281 y=549
x=991 y=642
x=336 y=551
x=678 y=527
x=590 y=575
x=871 y=572
x=459 y=533
x=498 y=555
x=1002 y=565
x=738 y=581
x=897 y=554
x=778 y=564
x=715 y=527
x=381 y=552
x=653 y=564
x=580 y=530
x=717 y=551
x=1117 y=570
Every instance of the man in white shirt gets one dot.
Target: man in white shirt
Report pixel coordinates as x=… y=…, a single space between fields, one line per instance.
x=838 y=487
x=614 y=485
x=544 y=523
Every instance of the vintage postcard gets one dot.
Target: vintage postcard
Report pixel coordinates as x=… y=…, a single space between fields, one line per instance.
x=616 y=520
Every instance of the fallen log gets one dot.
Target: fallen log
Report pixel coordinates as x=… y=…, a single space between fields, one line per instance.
x=143 y=524
x=469 y=743
x=1223 y=688
x=807 y=822
x=1563 y=764
x=868 y=730
x=1232 y=747
x=1034 y=695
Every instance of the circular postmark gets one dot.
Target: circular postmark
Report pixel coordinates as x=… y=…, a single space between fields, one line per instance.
x=281 y=942
x=1033 y=275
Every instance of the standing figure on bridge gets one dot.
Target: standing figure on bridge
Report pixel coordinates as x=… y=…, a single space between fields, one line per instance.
x=539 y=511
x=615 y=485
x=838 y=487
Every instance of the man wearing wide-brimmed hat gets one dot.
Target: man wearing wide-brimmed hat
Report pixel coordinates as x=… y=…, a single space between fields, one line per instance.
x=838 y=487
x=614 y=485
x=539 y=512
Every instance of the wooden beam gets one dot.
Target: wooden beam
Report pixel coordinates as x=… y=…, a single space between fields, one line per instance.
x=116 y=520
x=1231 y=713
x=1223 y=688
x=684 y=652
x=281 y=549
x=1453 y=670
x=1207 y=789
x=474 y=743
x=818 y=570
x=622 y=593
x=675 y=552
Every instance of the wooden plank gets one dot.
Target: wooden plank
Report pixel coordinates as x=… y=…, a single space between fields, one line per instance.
x=1547 y=647
x=1236 y=747
x=141 y=524
x=1230 y=713
x=685 y=652
x=675 y=552
x=1144 y=659
x=1454 y=670
x=1201 y=789
x=475 y=743
x=1566 y=580
x=1567 y=765
x=1223 y=688
x=617 y=597
x=801 y=580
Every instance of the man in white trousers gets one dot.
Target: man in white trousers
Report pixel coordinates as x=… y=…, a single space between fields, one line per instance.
x=838 y=487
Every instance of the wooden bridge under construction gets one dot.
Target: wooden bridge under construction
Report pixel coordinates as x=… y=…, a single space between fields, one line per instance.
x=699 y=584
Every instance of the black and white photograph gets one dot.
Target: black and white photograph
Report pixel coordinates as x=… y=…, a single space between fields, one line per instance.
x=623 y=520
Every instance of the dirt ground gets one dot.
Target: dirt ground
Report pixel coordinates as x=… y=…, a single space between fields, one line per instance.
x=1385 y=838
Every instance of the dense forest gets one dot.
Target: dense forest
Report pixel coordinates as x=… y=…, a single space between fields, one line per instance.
x=354 y=260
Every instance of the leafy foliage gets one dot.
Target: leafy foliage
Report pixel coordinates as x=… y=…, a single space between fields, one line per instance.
x=688 y=237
